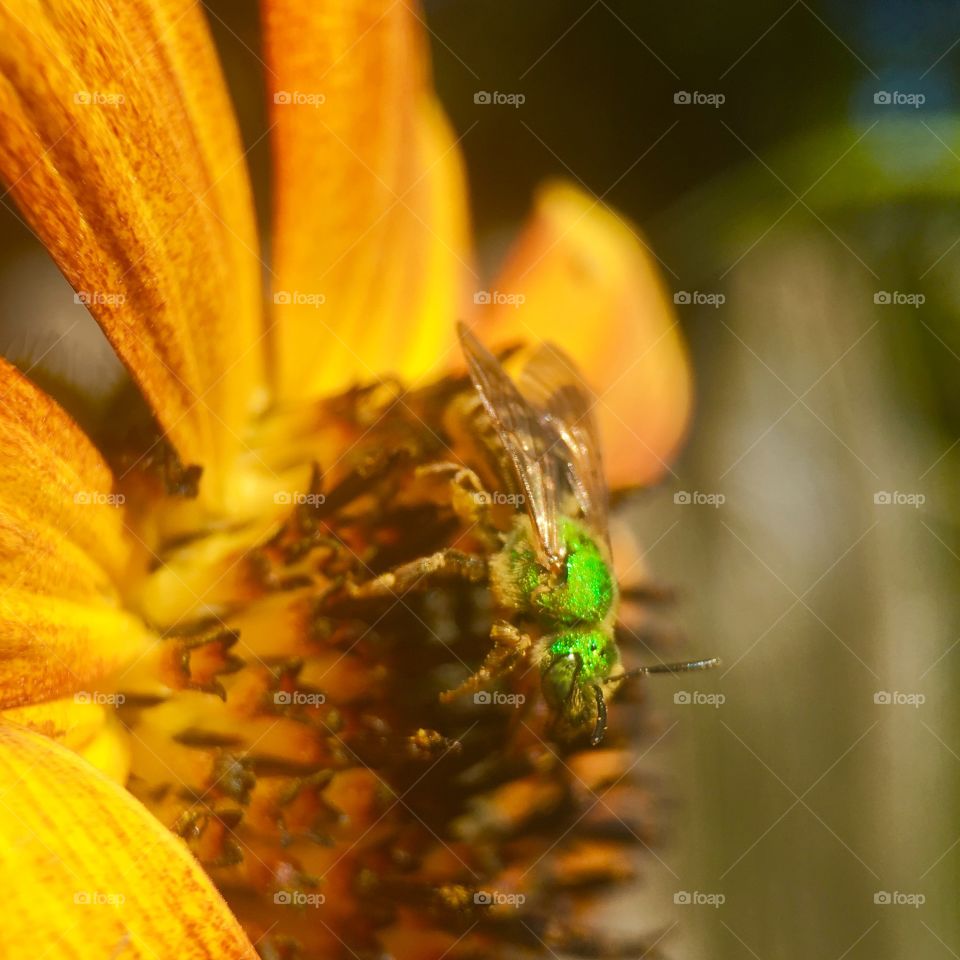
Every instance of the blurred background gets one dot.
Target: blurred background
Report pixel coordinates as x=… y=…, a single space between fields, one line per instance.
x=795 y=167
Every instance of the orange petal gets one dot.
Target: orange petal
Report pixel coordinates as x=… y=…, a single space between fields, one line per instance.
x=50 y=647
x=88 y=872
x=120 y=148
x=61 y=545
x=370 y=225
x=588 y=283
x=53 y=478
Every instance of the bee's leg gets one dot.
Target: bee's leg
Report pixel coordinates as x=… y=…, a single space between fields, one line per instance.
x=421 y=572
x=510 y=647
x=469 y=498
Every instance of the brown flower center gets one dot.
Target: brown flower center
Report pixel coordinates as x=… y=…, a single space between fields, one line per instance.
x=292 y=731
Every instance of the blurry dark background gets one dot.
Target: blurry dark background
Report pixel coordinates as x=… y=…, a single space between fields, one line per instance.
x=821 y=814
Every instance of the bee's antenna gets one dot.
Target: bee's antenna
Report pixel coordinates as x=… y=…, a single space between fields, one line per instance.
x=685 y=667
x=600 y=730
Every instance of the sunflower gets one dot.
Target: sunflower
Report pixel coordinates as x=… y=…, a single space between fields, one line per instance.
x=209 y=746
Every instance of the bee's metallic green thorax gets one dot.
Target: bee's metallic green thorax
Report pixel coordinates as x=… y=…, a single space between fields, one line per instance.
x=586 y=594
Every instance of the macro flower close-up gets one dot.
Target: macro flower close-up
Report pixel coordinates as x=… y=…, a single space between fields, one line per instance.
x=259 y=690
x=478 y=479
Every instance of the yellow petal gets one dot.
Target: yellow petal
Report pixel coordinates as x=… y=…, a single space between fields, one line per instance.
x=50 y=647
x=120 y=148
x=370 y=225
x=88 y=872
x=74 y=722
x=109 y=751
x=584 y=279
x=87 y=725
x=61 y=546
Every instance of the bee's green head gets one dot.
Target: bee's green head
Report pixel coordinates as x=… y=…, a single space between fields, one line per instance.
x=583 y=593
x=573 y=669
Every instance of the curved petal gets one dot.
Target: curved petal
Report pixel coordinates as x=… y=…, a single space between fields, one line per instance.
x=84 y=725
x=74 y=722
x=61 y=549
x=87 y=871
x=52 y=476
x=50 y=647
x=370 y=224
x=583 y=278
x=118 y=144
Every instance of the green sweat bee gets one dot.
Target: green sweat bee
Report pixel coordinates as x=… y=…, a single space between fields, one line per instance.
x=551 y=572
x=555 y=568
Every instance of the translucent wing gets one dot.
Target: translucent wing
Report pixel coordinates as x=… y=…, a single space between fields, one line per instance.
x=528 y=441
x=553 y=385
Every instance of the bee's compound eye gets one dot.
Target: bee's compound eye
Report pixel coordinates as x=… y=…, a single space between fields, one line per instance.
x=557 y=679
